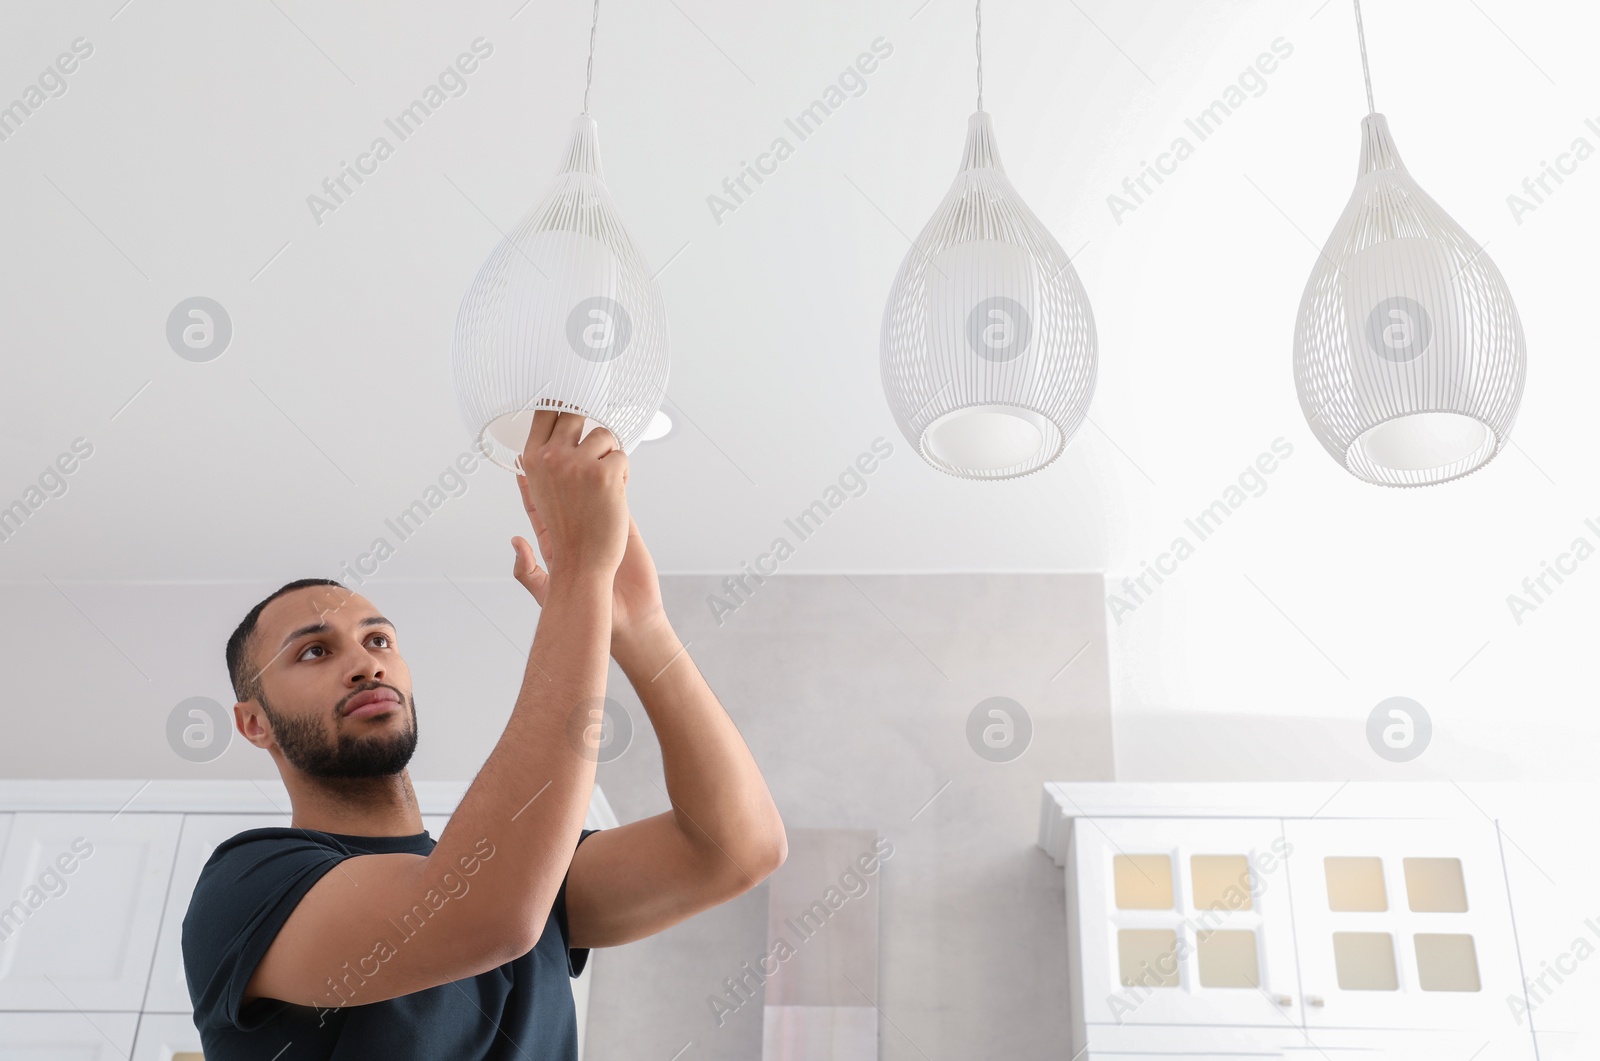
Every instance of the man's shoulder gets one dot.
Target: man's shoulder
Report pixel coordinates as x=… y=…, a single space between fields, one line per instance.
x=256 y=865
x=253 y=846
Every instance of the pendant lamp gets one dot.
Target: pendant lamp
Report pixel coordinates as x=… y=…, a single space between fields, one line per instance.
x=564 y=314
x=988 y=343
x=1408 y=352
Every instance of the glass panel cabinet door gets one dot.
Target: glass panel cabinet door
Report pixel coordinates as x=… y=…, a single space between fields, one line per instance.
x=1182 y=921
x=1402 y=924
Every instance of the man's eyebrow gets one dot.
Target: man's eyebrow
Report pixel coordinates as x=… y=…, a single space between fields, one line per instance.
x=322 y=628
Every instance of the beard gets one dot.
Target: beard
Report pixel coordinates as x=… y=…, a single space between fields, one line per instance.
x=305 y=745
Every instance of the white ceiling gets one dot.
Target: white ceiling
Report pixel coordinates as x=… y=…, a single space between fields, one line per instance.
x=179 y=161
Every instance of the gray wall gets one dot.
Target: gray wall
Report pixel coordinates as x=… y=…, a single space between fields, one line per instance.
x=853 y=693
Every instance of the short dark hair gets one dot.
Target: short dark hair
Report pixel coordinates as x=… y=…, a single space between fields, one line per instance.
x=246 y=679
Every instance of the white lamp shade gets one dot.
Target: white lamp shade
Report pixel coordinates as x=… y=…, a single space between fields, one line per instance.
x=988 y=344
x=1409 y=355
x=562 y=315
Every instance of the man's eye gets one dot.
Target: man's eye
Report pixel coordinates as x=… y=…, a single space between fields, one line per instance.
x=387 y=643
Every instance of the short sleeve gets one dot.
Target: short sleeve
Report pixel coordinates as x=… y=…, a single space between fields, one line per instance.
x=244 y=896
x=577 y=958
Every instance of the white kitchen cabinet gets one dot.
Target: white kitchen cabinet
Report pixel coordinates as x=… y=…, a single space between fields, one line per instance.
x=1402 y=924
x=67 y=1036
x=1184 y=922
x=90 y=891
x=1224 y=921
x=93 y=955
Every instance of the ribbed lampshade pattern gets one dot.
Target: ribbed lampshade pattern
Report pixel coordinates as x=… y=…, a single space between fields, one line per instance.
x=1409 y=356
x=988 y=348
x=564 y=314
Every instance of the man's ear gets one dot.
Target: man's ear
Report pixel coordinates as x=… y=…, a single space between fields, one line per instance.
x=248 y=720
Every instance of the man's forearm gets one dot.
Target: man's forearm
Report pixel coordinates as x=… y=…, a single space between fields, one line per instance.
x=531 y=796
x=717 y=791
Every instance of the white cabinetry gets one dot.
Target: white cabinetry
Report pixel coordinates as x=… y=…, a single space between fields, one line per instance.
x=1183 y=922
x=95 y=879
x=1402 y=924
x=67 y=1036
x=89 y=893
x=1219 y=928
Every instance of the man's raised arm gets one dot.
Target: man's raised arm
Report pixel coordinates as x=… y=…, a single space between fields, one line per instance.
x=531 y=796
x=512 y=837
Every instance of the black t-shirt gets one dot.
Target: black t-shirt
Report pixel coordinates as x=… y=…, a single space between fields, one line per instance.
x=521 y=1010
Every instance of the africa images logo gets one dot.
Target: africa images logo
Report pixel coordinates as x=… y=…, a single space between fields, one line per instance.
x=199 y=329
x=599 y=329
x=998 y=329
x=1399 y=329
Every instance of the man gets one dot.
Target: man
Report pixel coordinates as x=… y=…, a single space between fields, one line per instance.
x=353 y=934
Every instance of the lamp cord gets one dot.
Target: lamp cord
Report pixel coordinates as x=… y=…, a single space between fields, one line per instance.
x=978 y=46
x=1366 y=74
x=589 y=78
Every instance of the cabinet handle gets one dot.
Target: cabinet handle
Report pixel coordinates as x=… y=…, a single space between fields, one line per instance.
x=1315 y=1000
x=1284 y=1000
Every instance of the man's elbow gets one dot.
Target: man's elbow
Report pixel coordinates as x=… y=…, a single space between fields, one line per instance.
x=760 y=862
x=777 y=851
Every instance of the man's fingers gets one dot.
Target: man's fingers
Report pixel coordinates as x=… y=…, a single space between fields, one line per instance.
x=524 y=563
x=566 y=428
x=619 y=458
x=599 y=442
x=544 y=421
x=527 y=571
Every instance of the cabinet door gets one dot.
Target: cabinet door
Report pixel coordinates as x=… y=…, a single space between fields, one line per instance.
x=169 y=991
x=81 y=932
x=67 y=1036
x=1402 y=924
x=1183 y=921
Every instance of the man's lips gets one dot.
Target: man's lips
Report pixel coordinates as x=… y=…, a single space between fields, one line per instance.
x=372 y=702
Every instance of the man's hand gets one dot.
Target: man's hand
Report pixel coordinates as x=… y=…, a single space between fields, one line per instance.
x=636 y=608
x=574 y=494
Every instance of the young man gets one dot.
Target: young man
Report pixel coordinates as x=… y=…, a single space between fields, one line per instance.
x=353 y=934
